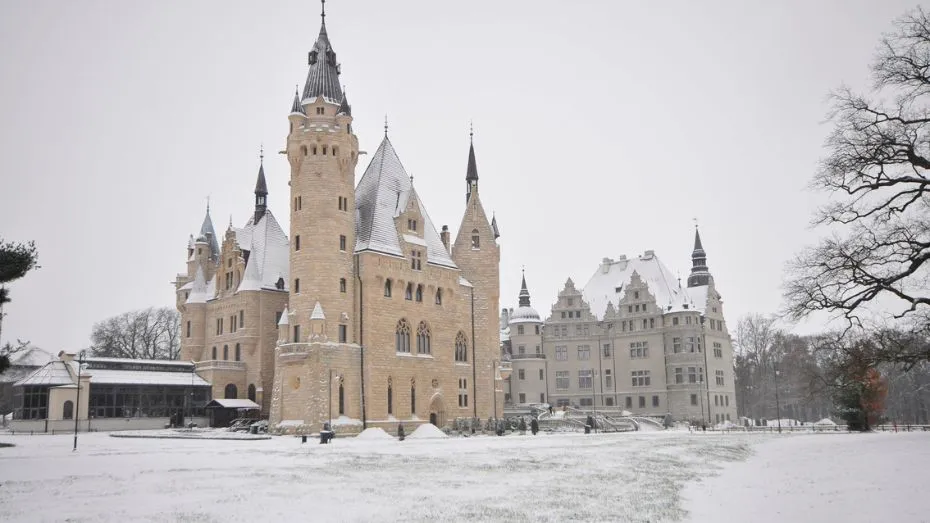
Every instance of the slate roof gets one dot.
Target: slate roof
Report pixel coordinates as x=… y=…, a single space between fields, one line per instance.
x=382 y=194
x=233 y=404
x=269 y=254
x=323 y=74
x=613 y=274
x=53 y=373
x=207 y=232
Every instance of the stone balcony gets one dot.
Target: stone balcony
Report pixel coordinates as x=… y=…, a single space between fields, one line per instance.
x=531 y=356
x=224 y=365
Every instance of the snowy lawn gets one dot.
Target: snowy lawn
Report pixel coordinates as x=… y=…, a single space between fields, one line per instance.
x=561 y=477
x=821 y=477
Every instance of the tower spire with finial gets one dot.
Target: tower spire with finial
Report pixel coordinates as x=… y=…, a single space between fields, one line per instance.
x=700 y=274
x=261 y=187
x=323 y=13
x=471 y=172
x=524 y=292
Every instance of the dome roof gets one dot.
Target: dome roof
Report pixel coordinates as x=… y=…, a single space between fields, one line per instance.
x=525 y=314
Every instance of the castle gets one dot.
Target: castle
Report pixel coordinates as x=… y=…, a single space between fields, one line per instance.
x=365 y=313
x=632 y=339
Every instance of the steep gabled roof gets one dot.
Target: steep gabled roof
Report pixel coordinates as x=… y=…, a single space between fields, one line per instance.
x=269 y=253
x=382 y=194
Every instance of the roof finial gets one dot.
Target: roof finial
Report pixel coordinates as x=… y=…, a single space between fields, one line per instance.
x=471 y=132
x=323 y=14
x=208 y=204
x=385 y=126
x=261 y=153
x=695 y=222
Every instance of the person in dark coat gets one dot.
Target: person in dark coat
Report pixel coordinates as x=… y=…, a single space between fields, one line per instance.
x=534 y=426
x=522 y=426
x=400 y=432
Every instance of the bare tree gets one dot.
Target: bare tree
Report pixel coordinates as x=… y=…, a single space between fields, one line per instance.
x=145 y=334
x=755 y=338
x=877 y=174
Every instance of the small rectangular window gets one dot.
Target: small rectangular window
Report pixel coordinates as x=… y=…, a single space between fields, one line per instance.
x=342 y=284
x=241 y=318
x=296 y=333
x=342 y=242
x=297 y=242
x=343 y=333
x=296 y=285
x=694 y=399
x=188 y=329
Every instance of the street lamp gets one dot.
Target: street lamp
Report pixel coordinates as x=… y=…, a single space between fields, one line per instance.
x=77 y=407
x=777 y=404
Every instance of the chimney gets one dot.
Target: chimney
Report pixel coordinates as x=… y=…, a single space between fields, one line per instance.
x=444 y=235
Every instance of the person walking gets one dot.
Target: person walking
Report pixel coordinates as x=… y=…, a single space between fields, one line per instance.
x=534 y=426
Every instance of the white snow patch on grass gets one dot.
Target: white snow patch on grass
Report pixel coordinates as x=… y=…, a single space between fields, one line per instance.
x=626 y=477
x=821 y=477
x=374 y=433
x=427 y=431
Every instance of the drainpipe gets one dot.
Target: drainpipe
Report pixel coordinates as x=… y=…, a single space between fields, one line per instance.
x=474 y=360
x=361 y=328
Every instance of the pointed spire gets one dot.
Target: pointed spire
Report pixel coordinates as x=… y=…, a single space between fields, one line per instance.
x=524 y=292
x=296 y=108
x=209 y=234
x=497 y=232
x=323 y=76
x=284 y=320
x=323 y=11
x=261 y=189
x=344 y=107
x=471 y=172
x=700 y=275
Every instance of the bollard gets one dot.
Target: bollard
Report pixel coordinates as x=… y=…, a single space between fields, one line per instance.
x=303 y=438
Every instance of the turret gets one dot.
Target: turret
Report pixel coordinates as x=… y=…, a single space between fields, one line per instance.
x=700 y=275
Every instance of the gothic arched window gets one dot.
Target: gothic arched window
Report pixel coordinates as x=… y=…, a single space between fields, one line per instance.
x=413 y=396
x=475 y=239
x=225 y=352
x=438 y=296
x=231 y=393
x=402 y=336
x=387 y=288
x=408 y=294
x=461 y=347
x=419 y=293
x=423 y=341
x=342 y=398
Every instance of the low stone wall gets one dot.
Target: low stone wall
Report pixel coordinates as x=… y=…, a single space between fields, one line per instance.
x=95 y=425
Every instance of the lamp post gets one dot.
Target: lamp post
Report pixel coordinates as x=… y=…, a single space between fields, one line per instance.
x=777 y=404
x=77 y=407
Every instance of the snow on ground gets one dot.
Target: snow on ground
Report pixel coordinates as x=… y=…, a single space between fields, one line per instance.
x=374 y=433
x=821 y=477
x=559 y=477
x=427 y=431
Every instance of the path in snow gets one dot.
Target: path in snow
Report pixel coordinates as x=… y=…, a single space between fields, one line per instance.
x=821 y=477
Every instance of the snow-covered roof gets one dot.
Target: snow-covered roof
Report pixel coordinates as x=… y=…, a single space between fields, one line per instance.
x=198 y=292
x=31 y=357
x=317 y=313
x=234 y=404
x=382 y=195
x=608 y=283
x=127 y=361
x=525 y=315
x=284 y=320
x=209 y=235
x=144 y=377
x=323 y=73
x=52 y=373
x=269 y=254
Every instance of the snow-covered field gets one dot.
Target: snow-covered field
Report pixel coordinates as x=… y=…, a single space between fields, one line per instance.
x=826 y=477
x=560 y=477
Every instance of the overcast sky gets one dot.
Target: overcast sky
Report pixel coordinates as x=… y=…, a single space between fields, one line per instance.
x=601 y=128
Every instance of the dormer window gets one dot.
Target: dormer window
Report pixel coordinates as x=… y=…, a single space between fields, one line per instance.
x=475 y=239
x=412 y=225
x=321 y=110
x=415 y=260
x=312 y=57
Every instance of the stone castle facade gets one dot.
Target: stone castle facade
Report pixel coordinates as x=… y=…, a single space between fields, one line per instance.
x=365 y=312
x=632 y=339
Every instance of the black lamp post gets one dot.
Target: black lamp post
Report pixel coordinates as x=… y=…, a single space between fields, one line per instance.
x=777 y=403
x=77 y=407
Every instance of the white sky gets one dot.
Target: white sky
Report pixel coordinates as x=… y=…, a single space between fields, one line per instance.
x=601 y=128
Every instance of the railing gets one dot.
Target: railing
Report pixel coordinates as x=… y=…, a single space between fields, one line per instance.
x=220 y=365
x=527 y=356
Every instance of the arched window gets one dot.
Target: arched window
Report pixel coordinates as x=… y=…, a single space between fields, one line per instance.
x=225 y=352
x=423 y=334
x=402 y=336
x=238 y=353
x=252 y=391
x=419 y=293
x=461 y=347
x=408 y=294
x=390 y=396
x=413 y=397
x=67 y=411
x=214 y=353
x=438 y=296
x=303 y=150
x=387 y=288
x=342 y=398
x=231 y=393
x=475 y=239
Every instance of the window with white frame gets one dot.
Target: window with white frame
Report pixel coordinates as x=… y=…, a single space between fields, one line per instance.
x=561 y=353
x=676 y=345
x=584 y=352
x=562 y=379
x=586 y=379
x=608 y=379
x=463 y=392
x=639 y=349
x=719 y=377
x=679 y=375
x=640 y=378
x=718 y=350
x=522 y=374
